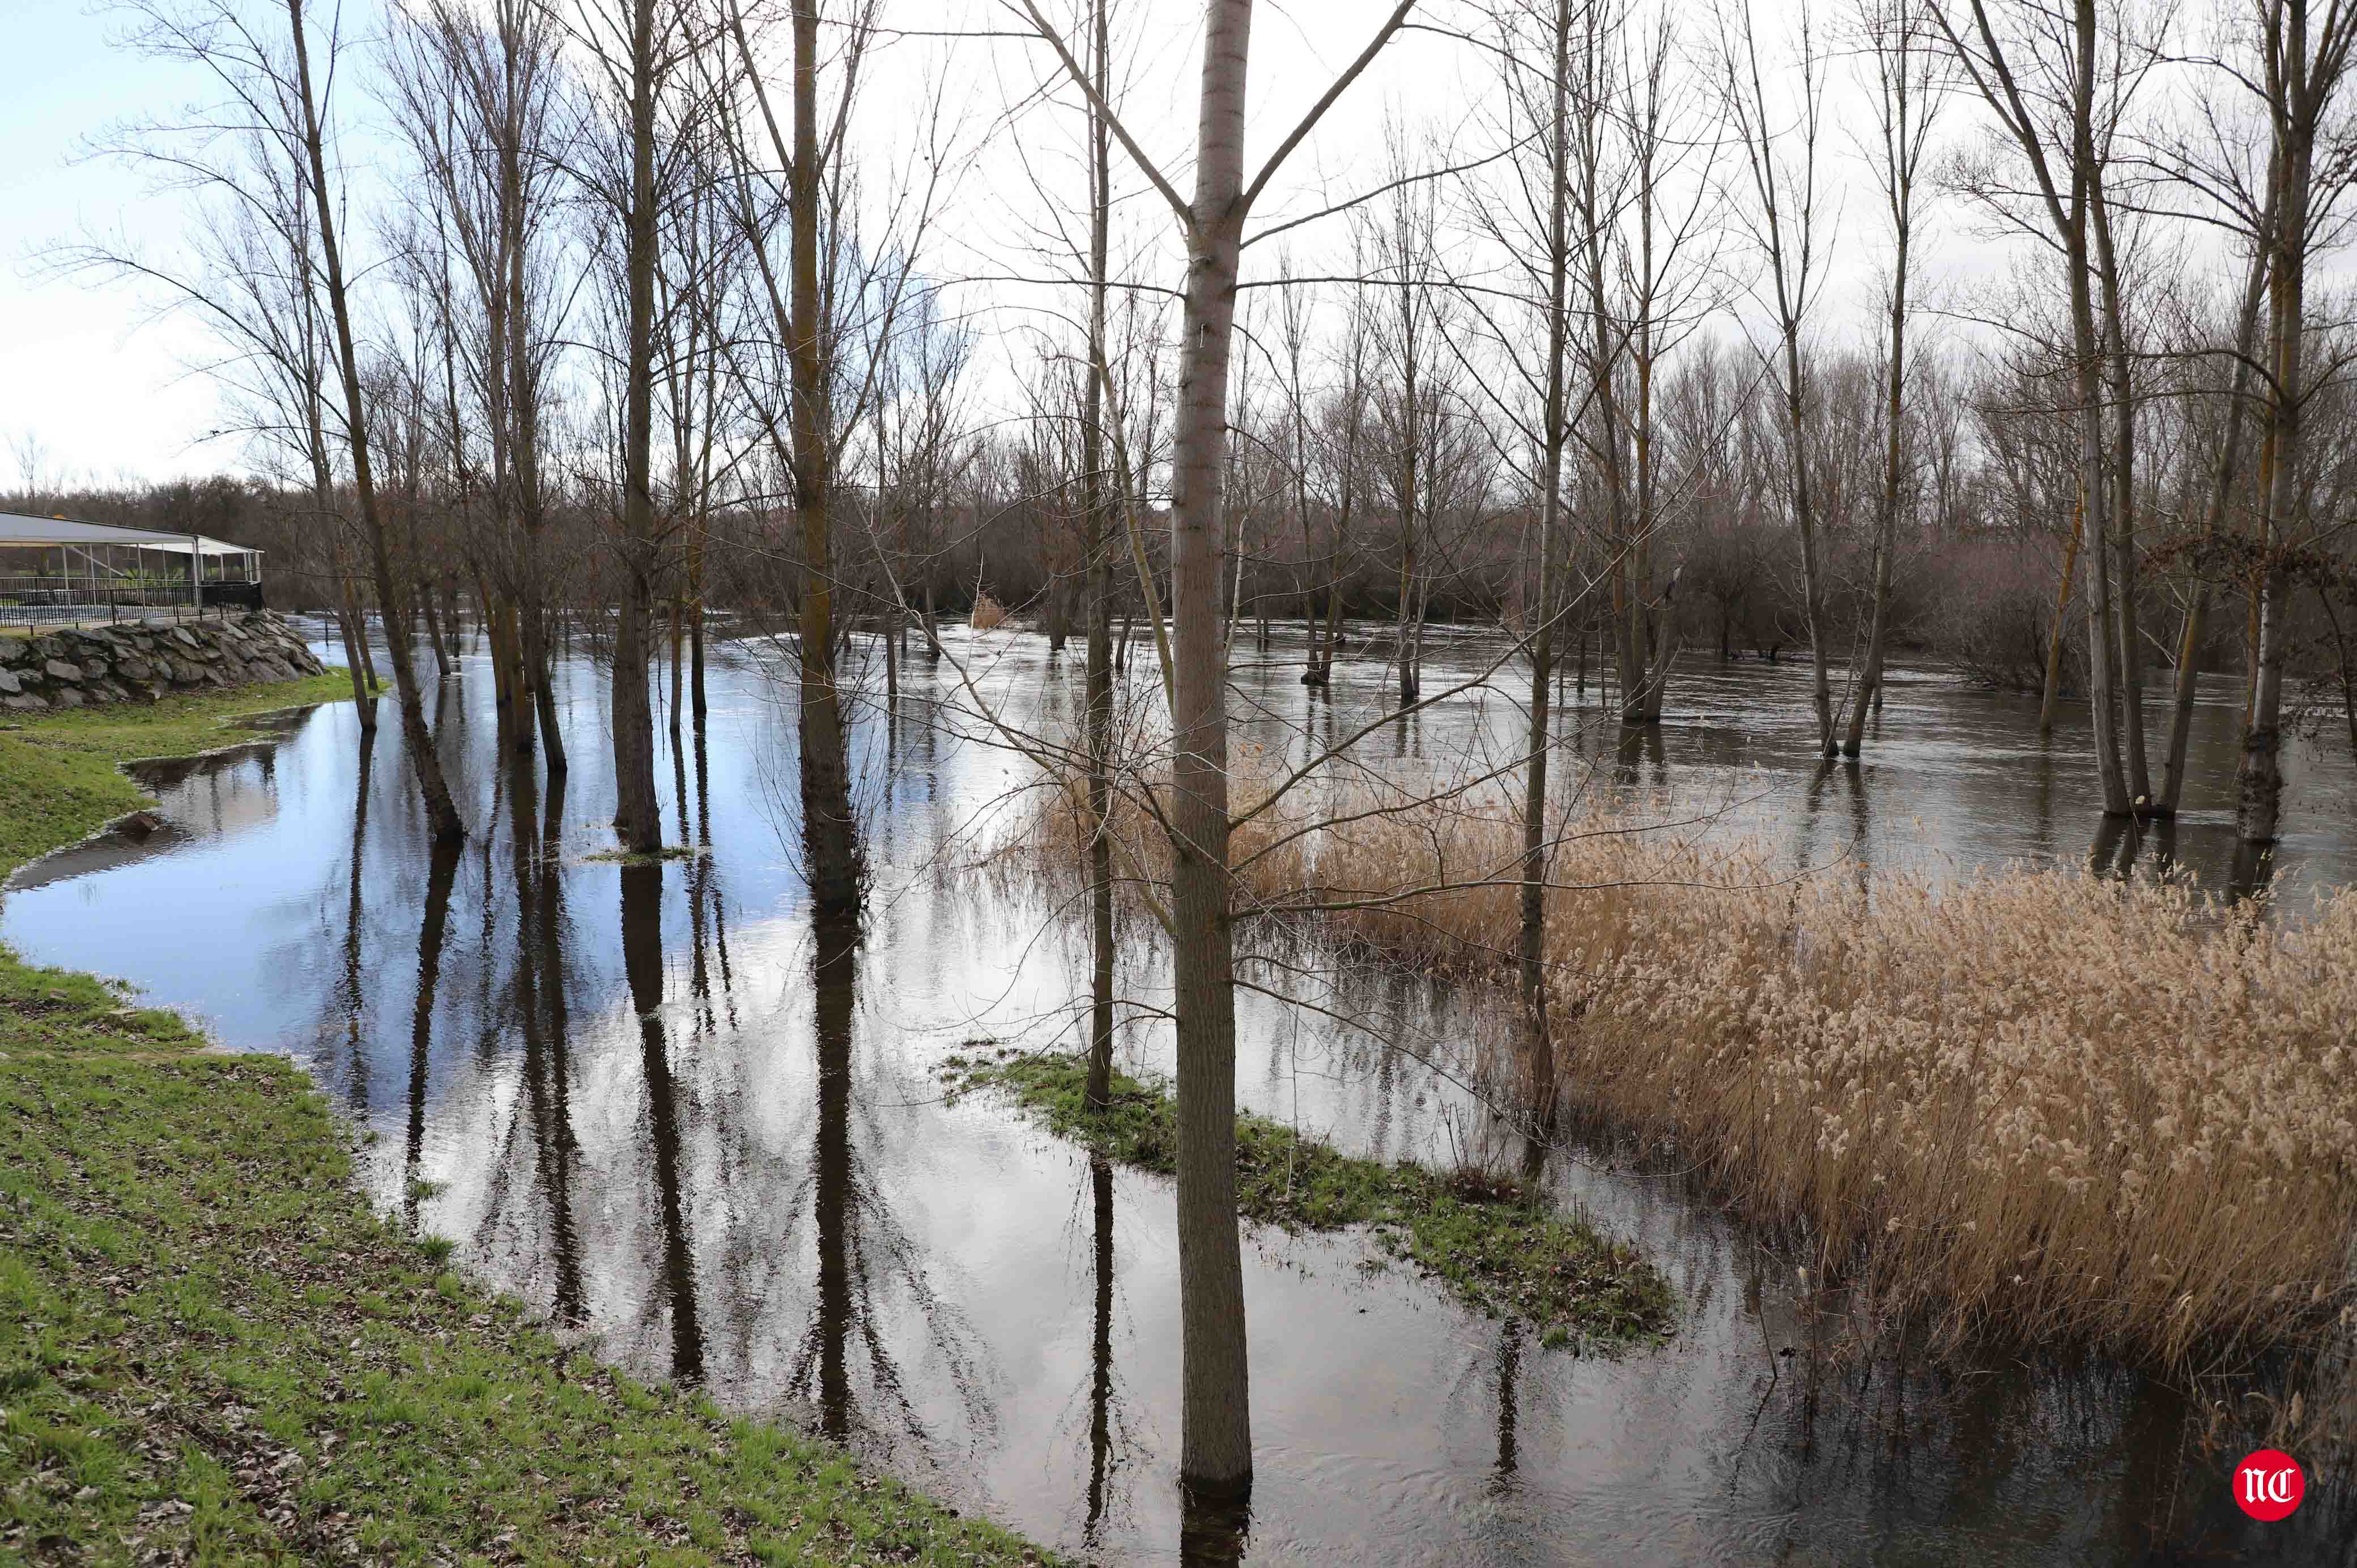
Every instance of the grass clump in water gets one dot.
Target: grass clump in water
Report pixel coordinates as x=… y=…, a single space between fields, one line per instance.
x=1496 y=1246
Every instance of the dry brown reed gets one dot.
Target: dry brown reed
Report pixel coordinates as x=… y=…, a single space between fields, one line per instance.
x=987 y=613
x=2032 y=1101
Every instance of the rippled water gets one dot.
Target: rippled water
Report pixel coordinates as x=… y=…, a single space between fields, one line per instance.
x=653 y=1103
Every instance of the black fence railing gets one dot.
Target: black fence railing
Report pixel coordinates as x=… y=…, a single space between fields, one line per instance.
x=58 y=601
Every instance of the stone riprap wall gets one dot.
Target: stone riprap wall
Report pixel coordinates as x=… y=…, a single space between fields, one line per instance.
x=139 y=660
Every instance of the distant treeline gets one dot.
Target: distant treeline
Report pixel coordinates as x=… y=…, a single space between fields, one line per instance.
x=1979 y=563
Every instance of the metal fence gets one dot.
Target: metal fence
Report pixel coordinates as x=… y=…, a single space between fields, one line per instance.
x=61 y=601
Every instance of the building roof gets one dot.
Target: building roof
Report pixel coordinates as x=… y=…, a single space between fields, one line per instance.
x=18 y=529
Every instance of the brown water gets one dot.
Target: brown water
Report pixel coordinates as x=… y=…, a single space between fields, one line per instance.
x=651 y=1102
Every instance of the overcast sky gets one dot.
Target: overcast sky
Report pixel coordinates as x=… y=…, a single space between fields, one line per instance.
x=104 y=396
x=104 y=390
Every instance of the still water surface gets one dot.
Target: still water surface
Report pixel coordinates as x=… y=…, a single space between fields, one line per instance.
x=651 y=1102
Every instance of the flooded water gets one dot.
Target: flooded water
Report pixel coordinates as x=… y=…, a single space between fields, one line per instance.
x=655 y=1103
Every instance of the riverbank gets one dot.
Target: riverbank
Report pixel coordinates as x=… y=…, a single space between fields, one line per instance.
x=210 y=1348
x=61 y=774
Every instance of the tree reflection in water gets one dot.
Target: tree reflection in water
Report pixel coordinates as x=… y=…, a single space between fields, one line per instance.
x=864 y=1254
x=442 y=870
x=540 y=1012
x=642 y=964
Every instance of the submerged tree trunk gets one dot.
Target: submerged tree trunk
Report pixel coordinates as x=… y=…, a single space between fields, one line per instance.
x=2056 y=642
x=2213 y=522
x=1099 y=567
x=1215 y=1447
x=636 y=816
x=1539 y=1039
x=829 y=832
x=2303 y=78
x=441 y=811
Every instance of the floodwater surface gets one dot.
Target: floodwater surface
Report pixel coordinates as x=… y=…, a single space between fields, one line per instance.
x=658 y=1104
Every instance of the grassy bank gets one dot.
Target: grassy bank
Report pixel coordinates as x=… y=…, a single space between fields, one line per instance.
x=2034 y=1103
x=210 y=1349
x=61 y=774
x=1482 y=1236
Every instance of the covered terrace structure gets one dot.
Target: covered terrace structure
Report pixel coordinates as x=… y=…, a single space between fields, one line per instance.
x=54 y=569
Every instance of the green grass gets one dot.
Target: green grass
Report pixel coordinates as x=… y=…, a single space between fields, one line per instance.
x=669 y=852
x=60 y=773
x=213 y=1350
x=1493 y=1245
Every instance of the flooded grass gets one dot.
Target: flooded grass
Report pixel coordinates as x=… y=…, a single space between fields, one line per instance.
x=212 y=1349
x=1493 y=1245
x=61 y=774
x=669 y=852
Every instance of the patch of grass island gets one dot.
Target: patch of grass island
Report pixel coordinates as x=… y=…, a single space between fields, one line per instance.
x=1490 y=1241
x=213 y=1350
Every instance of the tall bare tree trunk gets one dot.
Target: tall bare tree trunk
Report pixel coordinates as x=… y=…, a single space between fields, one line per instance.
x=1539 y=1037
x=441 y=812
x=2214 y=520
x=2122 y=409
x=524 y=390
x=2071 y=208
x=635 y=812
x=1215 y=1445
x=2304 y=75
x=2102 y=650
x=1813 y=585
x=830 y=835
x=1909 y=99
x=1099 y=567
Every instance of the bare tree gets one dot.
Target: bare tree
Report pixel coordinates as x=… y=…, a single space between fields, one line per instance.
x=1907 y=86
x=1098 y=556
x=2215 y=161
x=2303 y=55
x=638 y=46
x=2057 y=87
x=249 y=277
x=1216 y=1427
x=441 y=811
x=1783 y=217
x=835 y=316
x=1644 y=212
x=1412 y=402
x=478 y=96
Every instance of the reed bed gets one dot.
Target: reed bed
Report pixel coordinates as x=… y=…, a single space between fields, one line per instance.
x=2032 y=1103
